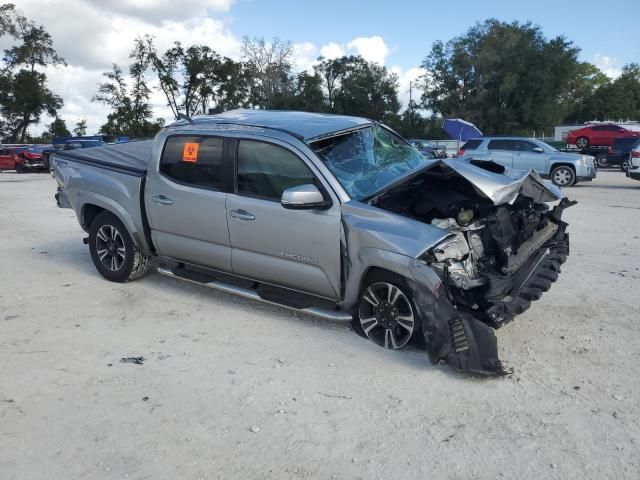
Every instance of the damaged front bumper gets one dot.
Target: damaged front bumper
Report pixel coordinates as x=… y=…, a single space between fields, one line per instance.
x=464 y=339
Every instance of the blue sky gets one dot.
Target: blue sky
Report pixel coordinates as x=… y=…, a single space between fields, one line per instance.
x=410 y=27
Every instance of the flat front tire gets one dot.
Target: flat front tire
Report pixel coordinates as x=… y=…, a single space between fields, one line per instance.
x=113 y=251
x=563 y=176
x=386 y=313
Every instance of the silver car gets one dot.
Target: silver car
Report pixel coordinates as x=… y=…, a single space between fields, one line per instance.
x=334 y=216
x=521 y=153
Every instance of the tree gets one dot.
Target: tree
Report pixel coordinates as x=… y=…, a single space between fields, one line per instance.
x=617 y=99
x=130 y=110
x=57 y=128
x=8 y=20
x=80 y=129
x=269 y=70
x=360 y=88
x=504 y=77
x=197 y=78
x=329 y=71
x=588 y=79
x=24 y=95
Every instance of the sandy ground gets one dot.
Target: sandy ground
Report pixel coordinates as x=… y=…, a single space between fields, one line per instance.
x=236 y=389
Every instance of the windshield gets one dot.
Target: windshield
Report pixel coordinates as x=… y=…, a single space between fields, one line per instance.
x=366 y=160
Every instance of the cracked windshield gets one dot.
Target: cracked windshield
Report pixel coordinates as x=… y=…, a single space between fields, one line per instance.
x=366 y=160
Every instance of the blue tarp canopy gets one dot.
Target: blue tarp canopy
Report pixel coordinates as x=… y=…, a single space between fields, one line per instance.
x=458 y=129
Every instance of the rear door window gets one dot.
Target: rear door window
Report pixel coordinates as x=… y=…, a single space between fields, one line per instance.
x=194 y=160
x=501 y=145
x=471 y=145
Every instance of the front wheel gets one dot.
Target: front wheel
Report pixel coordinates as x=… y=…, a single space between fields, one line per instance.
x=624 y=166
x=386 y=314
x=113 y=252
x=563 y=176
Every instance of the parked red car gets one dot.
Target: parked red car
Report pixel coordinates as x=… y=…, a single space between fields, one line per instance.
x=601 y=135
x=9 y=156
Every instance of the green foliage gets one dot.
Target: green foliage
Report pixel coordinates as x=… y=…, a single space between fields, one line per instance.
x=617 y=99
x=80 y=129
x=57 y=128
x=24 y=95
x=130 y=111
x=197 y=78
x=504 y=77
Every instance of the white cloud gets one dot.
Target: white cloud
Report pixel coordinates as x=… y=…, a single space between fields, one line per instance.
x=332 y=50
x=93 y=34
x=372 y=49
x=609 y=65
x=304 y=56
x=155 y=11
x=408 y=80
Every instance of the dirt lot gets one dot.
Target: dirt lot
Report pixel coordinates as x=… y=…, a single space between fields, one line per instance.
x=235 y=389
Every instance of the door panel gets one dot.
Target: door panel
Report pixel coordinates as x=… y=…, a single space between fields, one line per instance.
x=501 y=152
x=187 y=215
x=299 y=249
x=524 y=158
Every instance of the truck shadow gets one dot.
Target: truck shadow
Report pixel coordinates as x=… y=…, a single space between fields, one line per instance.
x=77 y=261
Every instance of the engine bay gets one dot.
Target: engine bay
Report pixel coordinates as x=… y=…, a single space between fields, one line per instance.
x=481 y=260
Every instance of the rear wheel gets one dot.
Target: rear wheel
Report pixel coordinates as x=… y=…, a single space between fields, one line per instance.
x=582 y=142
x=386 y=314
x=602 y=160
x=113 y=252
x=563 y=176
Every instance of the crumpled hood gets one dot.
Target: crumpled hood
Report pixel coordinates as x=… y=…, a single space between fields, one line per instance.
x=505 y=187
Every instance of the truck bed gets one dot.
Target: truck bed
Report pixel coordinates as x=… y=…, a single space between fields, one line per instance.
x=132 y=158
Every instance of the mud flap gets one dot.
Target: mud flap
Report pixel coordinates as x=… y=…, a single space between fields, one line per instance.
x=456 y=338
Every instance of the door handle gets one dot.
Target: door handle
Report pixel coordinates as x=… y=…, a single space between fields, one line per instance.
x=242 y=215
x=161 y=200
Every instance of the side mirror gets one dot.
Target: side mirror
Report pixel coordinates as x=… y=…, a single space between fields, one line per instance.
x=538 y=149
x=303 y=197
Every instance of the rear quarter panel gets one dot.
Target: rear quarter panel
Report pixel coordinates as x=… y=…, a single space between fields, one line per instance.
x=117 y=192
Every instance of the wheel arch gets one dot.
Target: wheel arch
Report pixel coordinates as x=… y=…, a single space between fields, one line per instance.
x=94 y=204
x=372 y=260
x=557 y=164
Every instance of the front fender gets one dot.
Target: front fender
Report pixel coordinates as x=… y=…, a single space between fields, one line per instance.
x=403 y=265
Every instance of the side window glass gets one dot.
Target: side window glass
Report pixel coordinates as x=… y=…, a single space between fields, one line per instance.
x=193 y=160
x=500 y=145
x=525 y=146
x=266 y=170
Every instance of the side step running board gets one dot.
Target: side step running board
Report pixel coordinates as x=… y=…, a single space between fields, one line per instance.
x=334 y=315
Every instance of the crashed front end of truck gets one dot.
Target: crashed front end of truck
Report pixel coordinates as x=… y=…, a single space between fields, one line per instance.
x=504 y=248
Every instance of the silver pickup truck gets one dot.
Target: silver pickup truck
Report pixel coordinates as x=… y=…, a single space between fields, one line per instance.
x=334 y=216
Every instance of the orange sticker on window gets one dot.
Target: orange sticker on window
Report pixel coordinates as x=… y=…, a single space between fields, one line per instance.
x=190 y=152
